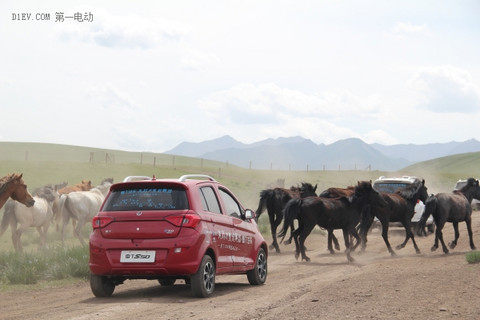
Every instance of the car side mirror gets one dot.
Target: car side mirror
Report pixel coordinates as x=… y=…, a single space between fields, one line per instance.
x=249 y=214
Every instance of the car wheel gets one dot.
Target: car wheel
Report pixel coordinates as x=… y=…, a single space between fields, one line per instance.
x=101 y=286
x=258 y=274
x=167 y=282
x=203 y=281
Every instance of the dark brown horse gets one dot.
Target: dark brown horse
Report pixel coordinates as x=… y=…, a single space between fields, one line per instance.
x=12 y=186
x=274 y=200
x=452 y=207
x=335 y=192
x=327 y=213
x=400 y=208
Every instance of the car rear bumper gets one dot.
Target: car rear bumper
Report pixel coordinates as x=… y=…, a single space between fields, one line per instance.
x=173 y=257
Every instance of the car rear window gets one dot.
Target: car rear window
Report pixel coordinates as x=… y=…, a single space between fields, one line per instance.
x=147 y=198
x=388 y=187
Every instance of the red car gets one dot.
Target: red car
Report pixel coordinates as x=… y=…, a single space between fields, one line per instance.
x=169 y=229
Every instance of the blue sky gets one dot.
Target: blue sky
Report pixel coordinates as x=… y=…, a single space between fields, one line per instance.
x=148 y=75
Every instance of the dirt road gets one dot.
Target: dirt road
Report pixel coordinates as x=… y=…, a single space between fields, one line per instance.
x=375 y=286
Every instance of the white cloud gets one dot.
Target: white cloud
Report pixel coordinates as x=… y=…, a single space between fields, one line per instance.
x=132 y=31
x=379 y=136
x=196 y=60
x=268 y=110
x=446 y=89
x=402 y=28
x=270 y=103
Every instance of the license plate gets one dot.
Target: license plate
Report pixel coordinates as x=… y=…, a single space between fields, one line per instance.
x=137 y=256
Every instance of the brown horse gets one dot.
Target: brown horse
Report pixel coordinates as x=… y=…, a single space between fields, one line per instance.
x=12 y=186
x=84 y=185
x=452 y=207
x=399 y=208
x=335 y=192
x=327 y=213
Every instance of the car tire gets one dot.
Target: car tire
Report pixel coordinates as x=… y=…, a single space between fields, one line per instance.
x=101 y=286
x=203 y=281
x=258 y=275
x=167 y=282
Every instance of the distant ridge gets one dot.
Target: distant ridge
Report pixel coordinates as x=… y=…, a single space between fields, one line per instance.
x=297 y=153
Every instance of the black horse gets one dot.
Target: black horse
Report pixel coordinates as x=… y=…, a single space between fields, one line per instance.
x=451 y=207
x=399 y=208
x=335 y=192
x=274 y=200
x=327 y=213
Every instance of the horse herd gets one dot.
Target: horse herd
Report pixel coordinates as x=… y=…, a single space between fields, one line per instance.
x=354 y=208
x=51 y=203
x=350 y=209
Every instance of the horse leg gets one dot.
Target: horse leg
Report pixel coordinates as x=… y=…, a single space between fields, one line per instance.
x=292 y=230
x=346 y=237
x=274 y=222
x=453 y=244
x=365 y=225
x=16 y=241
x=355 y=235
x=78 y=229
x=408 y=235
x=385 y=236
x=439 y=236
x=16 y=237
x=66 y=219
x=303 y=235
x=297 y=245
x=329 y=241
x=335 y=242
x=470 y=233
x=295 y=235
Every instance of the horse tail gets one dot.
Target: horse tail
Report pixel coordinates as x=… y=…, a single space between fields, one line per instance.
x=65 y=213
x=290 y=213
x=265 y=196
x=58 y=212
x=8 y=216
x=430 y=208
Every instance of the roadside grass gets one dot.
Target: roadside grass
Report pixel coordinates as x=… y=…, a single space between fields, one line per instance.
x=46 y=264
x=473 y=257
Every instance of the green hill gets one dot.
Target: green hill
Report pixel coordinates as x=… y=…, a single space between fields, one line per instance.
x=444 y=172
x=43 y=163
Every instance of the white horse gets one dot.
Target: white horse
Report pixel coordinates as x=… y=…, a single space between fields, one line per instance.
x=82 y=206
x=38 y=216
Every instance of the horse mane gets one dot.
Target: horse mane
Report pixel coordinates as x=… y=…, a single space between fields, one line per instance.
x=5 y=181
x=411 y=190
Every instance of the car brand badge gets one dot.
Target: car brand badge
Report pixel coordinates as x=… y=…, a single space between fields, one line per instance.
x=168 y=231
x=139 y=213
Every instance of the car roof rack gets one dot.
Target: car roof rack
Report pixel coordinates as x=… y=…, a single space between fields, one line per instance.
x=137 y=178
x=190 y=176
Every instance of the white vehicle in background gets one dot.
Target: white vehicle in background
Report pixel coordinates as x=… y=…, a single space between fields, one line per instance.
x=459 y=185
x=390 y=185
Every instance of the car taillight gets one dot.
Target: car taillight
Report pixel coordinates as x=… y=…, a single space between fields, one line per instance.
x=100 y=222
x=187 y=220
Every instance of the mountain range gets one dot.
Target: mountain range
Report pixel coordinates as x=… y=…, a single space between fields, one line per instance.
x=297 y=153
